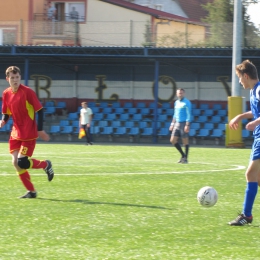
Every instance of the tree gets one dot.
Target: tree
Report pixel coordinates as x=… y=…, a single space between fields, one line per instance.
x=220 y=21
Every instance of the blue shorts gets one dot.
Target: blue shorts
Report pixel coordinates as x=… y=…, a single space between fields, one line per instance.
x=255 y=153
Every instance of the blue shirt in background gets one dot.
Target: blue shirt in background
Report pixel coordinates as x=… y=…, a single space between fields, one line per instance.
x=182 y=110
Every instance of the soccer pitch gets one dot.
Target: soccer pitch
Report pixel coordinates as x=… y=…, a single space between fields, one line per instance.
x=127 y=202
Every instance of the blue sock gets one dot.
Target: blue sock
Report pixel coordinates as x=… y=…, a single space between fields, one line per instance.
x=250 y=194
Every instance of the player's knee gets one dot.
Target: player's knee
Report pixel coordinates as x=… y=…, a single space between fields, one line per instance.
x=24 y=163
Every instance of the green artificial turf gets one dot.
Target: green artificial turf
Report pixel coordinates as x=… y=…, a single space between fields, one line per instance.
x=127 y=202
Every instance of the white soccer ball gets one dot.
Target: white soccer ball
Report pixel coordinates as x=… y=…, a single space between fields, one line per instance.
x=207 y=196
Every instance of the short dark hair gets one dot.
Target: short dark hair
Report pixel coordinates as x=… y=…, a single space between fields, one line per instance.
x=181 y=89
x=12 y=69
x=247 y=67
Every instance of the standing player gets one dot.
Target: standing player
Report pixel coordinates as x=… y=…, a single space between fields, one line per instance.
x=85 y=119
x=180 y=125
x=21 y=103
x=248 y=77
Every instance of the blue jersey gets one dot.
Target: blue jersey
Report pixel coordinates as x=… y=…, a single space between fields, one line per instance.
x=255 y=106
x=182 y=110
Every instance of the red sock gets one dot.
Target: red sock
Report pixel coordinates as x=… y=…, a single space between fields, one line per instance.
x=37 y=164
x=26 y=180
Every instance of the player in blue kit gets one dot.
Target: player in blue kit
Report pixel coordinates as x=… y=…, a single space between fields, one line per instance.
x=248 y=77
x=180 y=125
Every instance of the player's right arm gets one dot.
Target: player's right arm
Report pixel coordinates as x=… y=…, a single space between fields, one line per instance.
x=233 y=124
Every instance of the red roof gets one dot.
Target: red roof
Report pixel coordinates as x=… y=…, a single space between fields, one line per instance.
x=150 y=11
x=193 y=8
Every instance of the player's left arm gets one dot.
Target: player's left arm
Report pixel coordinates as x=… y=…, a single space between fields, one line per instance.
x=188 y=118
x=4 y=120
x=42 y=134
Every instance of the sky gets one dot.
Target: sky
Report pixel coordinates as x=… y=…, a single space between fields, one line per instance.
x=254 y=12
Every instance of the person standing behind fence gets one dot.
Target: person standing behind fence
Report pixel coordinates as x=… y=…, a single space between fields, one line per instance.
x=85 y=119
x=180 y=125
x=51 y=12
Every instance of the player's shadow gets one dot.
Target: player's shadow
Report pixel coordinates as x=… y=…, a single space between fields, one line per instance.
x=108 y=203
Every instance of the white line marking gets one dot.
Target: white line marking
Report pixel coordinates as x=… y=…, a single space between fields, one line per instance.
x=236 y=168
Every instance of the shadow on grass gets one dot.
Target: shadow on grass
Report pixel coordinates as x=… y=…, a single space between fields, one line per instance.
x=108 y=203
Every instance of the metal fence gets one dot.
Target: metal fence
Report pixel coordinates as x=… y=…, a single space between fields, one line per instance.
x=41 y=31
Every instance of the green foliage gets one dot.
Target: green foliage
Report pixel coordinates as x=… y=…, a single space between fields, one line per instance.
x=220 y=20
x=177 y=39
x=126 y=202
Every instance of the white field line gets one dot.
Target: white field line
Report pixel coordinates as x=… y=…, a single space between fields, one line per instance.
x=233 y=168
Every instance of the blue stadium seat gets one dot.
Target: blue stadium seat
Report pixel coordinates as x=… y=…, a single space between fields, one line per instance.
x=64 y=122
x=195 y=125
x=116 y=124
x=132 y=110
x=98 y=116
x=203 y=133
x=67 y=129
x=143 y=124
x=162 y=118
x=209 y=112
x=110 y=117
x=107 y=110
x=75 y=123
x=119 y=110
x=134 y=131
x=202 y=119
x=123 y=117
x=215 y=119
x=49 y=104
x=120 y=131
x=5 y=128
x=61 y=105
x=55 y=129
x=245 y=133
x=196 y=112
x=222 y=127
x=129 y=124
x=152 y=105
x=222 y=112
x=137 y=117
x=145 y=111
x=158 y=125
x=164 y=131
x=166 y=105
x=107 y=130
x=217 y=107
x=140 y=105
x=147 y=131
x=128 y=105
x=209 y=126
x=192 y=132
x=193 y=106
x=103 y=104
x=115 y=105
x=204 y=106
x=95 y=130
x=217 y=133
x=102 y=123
x=95 y=110
x=91 y=104
x=49 y=110
x=73 y=116
x=169 y=111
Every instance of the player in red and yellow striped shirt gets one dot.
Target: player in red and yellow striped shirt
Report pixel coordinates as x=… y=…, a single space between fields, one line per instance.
x=22 y=104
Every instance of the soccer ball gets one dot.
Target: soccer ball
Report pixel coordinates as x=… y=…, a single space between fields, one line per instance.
x=207 y=196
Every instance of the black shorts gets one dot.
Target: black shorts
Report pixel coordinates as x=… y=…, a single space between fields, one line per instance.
x=178 y=130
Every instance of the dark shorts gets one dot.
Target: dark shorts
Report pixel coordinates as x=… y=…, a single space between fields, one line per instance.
x=178 y=130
